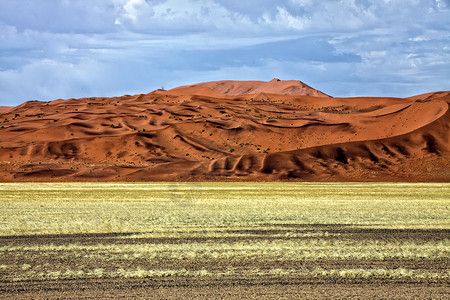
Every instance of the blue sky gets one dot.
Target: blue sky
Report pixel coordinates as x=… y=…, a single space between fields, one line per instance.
x=54 y=49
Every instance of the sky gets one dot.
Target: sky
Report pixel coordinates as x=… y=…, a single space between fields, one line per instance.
x=59 y=49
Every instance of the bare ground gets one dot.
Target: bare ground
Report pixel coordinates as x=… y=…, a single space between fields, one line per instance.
x=228 y=287
x=242 y=288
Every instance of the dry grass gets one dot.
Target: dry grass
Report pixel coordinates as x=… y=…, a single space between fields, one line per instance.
x=216 y=222
x=303 y=273
x=62 y=208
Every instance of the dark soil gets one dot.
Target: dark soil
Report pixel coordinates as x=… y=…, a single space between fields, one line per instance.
x=228 y=287
x=243 y=288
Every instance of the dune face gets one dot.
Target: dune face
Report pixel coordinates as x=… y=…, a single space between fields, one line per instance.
x=4 y=109
x=275 y=86
x=228 y=131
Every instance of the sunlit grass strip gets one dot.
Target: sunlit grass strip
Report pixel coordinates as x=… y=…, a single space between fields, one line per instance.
x=310 y=249
x=400 y=273
x=67 y=208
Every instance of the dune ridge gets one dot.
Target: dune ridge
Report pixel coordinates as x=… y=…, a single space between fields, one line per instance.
x=274 y=86
x=208 y=132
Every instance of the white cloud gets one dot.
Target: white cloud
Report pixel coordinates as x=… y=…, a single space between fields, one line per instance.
x=60 y=48
x=285 y=18
x=419 y=39
x=134 y=8
x=179 y=17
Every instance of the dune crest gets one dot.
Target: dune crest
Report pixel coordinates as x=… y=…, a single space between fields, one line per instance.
x=228 y=130
x=275 y=86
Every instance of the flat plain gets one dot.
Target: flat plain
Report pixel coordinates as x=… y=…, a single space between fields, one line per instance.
x=225 y=240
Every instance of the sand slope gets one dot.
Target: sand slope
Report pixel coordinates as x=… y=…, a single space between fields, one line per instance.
x=4 y=109
x=275 y=86
x=207 y=132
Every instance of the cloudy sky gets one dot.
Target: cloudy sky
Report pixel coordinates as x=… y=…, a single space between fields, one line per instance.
x=54 y=49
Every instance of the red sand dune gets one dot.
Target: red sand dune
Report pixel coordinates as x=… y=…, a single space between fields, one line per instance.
x=228 y=130
x=4 y=109
x=275 y=86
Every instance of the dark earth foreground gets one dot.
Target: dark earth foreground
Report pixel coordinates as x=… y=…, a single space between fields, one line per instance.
x=243 y=288
x=229 y=287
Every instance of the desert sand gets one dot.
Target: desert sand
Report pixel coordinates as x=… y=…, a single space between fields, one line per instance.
x=4 y=109
x=228 y=130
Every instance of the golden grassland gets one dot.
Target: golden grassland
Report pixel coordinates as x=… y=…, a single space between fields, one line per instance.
x=64 y=208
x=199 y=226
